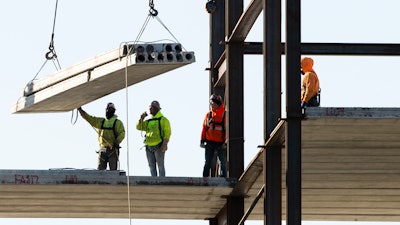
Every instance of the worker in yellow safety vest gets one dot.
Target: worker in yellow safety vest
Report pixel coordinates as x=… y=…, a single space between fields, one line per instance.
x=111 y=133
x=158 y=133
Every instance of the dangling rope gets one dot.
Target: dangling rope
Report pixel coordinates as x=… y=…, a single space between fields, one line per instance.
x=127 y=141
x=74 y=118
x=152 y=13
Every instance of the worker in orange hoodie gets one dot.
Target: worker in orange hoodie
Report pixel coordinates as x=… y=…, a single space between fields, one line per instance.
x=310 y=85
x=213 y=135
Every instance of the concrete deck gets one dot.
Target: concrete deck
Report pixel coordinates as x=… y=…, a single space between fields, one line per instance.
x=350 y=172
x=350 y=165
x=104 y=194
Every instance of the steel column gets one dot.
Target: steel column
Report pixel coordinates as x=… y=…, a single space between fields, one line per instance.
x=293 y=127
x=217 y=35
x=213 y=221
x=234 y=106
x=272 y=162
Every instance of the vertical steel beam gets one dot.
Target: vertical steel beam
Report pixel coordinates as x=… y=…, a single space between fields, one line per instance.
x=234 y=88
x=235 y=114
x=217 y=47
x=217 y=34
x=272 y=113
x=213 y=221
x=293 y=123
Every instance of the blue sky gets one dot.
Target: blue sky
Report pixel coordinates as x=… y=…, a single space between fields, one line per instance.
x=87 y=28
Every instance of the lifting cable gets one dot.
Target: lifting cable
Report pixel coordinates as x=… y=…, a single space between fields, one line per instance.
x=152 y=13
x=51 y=54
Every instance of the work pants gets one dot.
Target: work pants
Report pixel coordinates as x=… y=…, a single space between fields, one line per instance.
x=210 y=148
x=110 y=157
x=155 y=158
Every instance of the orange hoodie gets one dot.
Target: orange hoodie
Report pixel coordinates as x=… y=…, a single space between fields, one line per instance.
x=310 y=84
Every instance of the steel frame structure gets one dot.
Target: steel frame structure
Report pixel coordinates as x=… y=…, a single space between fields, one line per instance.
x=229 y=26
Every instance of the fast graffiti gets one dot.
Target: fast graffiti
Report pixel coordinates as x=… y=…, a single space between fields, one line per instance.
x=26 y=179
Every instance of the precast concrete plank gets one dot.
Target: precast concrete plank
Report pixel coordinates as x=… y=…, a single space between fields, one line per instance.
x=100 y=76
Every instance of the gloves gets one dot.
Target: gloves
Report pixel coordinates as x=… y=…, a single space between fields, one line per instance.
x=142 y=116
x=164 y=145
x=115 y=145
x=202 y=144
x=80 y=110
x=303 y=104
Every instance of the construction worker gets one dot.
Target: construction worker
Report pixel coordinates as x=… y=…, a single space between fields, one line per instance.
x=213 y=135
x=111 y=133
x=158 y=133
x=310 y=85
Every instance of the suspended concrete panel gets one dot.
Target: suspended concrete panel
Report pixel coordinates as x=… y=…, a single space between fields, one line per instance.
x=99 y=76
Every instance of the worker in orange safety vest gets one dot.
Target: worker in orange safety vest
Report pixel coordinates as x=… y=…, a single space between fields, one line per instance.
x=213 y=135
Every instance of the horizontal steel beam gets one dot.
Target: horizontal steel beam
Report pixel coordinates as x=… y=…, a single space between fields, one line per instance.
x=255 y=48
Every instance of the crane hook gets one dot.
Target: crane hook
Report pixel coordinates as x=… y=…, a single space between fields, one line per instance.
x=51 y=54
x=152 y=10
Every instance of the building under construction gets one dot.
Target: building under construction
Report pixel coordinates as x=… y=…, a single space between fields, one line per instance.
x=320 y=164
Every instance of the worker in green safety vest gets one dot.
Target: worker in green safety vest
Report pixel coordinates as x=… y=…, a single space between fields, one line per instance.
x=111 y=133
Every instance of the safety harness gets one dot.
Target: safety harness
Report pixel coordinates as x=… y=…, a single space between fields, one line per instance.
x=115 y=136
x=210 y=121
x=159 y=126
x=109 y=128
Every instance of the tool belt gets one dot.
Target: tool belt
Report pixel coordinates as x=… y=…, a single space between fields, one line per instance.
x=154 y=148
x=108 y=150
x=315 y=101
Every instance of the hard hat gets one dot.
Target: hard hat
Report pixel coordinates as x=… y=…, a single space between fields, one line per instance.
x=217 y=99
x=110 y=105
x=155 y=104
